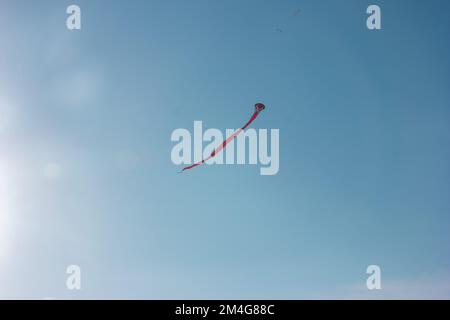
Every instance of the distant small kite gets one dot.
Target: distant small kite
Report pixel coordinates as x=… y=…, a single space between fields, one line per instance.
x=288 y=21
x=258 y=108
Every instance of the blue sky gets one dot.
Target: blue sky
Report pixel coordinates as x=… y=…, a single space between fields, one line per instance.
x=86 y=176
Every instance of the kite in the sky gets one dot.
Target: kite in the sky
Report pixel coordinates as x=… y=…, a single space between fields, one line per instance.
x=258 y=108
x=288 y=21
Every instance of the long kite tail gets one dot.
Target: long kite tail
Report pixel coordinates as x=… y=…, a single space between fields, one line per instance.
x=258 y=108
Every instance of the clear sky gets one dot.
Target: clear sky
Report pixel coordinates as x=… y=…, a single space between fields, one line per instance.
x=86 y=176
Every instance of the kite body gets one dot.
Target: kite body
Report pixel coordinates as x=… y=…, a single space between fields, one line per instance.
x=258 y=108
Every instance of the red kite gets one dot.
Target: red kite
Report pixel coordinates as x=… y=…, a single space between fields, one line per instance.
x=258 y=108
